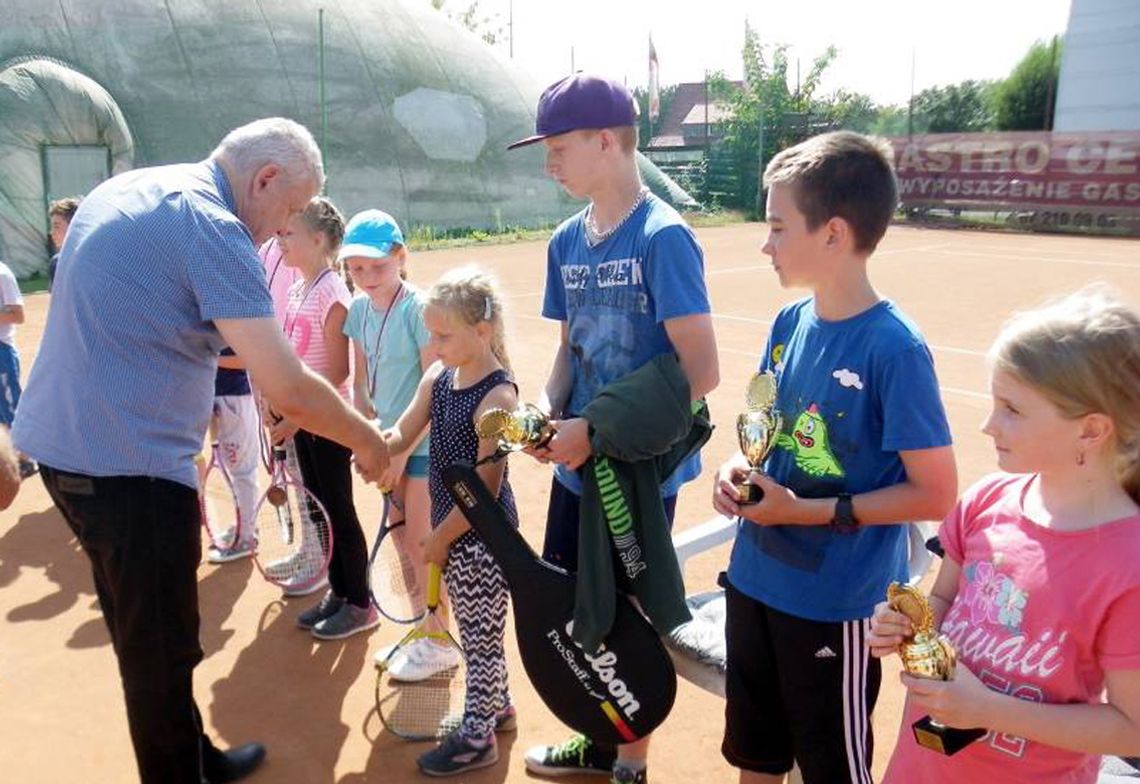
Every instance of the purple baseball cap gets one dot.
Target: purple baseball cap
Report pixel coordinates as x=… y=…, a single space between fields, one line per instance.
x=581 y=102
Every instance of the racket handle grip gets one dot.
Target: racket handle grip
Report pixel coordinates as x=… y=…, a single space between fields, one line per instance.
x=434 y=577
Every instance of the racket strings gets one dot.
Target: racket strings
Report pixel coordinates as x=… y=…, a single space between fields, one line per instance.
x=219 y=506
x=396 y=585
x=294 y=538
x=425 y=709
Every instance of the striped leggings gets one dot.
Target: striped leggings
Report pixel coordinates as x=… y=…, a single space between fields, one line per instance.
x=478 y=593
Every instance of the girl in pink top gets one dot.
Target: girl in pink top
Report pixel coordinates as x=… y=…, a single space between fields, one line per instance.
x=1039 y=592
x=314 y=325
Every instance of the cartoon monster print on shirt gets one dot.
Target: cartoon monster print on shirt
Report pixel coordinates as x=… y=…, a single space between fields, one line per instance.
x=810 y=446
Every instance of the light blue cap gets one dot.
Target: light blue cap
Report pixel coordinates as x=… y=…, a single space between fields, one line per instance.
x=370 y=234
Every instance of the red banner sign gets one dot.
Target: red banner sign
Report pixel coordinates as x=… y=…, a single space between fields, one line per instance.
x=1094 y=172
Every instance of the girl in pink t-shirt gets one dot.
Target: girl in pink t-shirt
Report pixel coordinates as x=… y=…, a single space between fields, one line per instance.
x=314 y=324
x=1039 y=592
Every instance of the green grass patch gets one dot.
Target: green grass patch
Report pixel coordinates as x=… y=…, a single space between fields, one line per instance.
x=33 y=284
x=705 y=220
x=432 y=238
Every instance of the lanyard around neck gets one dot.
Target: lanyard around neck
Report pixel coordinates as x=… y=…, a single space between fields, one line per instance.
x=296 y=313
x=375 y=358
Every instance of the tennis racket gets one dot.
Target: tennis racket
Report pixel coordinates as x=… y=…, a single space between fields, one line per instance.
x=294 y=538
x=396 y=590
x=616 y=695
x=217 y=502
x=427 y=709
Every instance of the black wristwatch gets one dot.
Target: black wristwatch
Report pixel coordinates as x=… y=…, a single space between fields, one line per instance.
x=844 y=519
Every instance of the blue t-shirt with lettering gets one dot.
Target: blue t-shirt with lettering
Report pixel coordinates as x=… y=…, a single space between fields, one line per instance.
x=615 y=298
x=852 y=395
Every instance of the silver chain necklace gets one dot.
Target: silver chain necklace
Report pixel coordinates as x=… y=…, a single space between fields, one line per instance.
x=594 y=236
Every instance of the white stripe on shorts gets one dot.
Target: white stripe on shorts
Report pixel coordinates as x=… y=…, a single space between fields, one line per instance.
x=855 y=660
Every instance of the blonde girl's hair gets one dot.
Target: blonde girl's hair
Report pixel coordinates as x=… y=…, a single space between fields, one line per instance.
x=1083 y=354
x=470 y=294
x=323 y=217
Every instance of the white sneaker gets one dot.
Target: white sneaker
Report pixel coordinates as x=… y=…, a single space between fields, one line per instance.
x=421 y=660
x=381 y=656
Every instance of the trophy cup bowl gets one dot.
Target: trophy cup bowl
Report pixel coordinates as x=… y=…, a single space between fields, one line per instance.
x=756 y=431
x=526 y=426
x=927 y=654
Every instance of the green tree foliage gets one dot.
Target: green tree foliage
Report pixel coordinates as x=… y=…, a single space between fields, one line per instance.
x=486 y=26
x=1022 y=101
x=965 y=107
x=852 y=111
x=641 y=95
x=767 y=102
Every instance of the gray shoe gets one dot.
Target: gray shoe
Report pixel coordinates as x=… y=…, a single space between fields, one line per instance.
x=347 y=621
x=232 y=553
x=327 y=608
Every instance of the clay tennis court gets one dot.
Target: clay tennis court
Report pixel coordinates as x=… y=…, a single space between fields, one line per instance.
x=61 y=709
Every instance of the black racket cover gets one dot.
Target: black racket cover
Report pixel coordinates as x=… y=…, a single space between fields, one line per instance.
x=617 y=696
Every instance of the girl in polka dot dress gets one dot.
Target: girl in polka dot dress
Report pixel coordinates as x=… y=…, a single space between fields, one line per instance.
x=464 y=318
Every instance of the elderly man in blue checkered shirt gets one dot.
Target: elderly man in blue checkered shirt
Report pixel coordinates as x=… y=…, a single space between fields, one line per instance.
x=159 y=272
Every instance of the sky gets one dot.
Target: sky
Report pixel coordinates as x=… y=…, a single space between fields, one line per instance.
x=950 y=40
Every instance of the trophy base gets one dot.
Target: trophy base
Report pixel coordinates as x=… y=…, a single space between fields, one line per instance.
x=945 y=740
x=749 y=493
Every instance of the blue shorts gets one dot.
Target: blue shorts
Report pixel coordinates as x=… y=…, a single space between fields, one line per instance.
x=417 y=467
x=9 y=382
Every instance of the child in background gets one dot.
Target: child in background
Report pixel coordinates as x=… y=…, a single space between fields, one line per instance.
x=390 y=343
x=1039 y=591
x=314 y=325
x=465 y=318
x=235 y=426
x=11 y=314
x=280 y=278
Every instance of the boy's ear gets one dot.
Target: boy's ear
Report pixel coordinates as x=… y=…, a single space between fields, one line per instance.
x=838 y=232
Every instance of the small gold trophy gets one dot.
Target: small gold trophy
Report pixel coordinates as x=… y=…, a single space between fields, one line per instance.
x=757 y=429
x=526 y=426
x=927 y=654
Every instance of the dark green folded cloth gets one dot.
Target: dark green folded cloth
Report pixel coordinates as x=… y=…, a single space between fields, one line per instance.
x=642 y=427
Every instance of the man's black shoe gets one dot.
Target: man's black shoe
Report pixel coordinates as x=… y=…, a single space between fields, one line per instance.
x=225 y=766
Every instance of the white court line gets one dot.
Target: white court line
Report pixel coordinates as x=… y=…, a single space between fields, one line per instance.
x=755 y=355
x=918 y=249
x=749 y=268
x=946 y=349
x=1041 y=259
x=1070 y=251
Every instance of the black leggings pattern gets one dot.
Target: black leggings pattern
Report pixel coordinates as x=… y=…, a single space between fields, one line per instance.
x=478 y=593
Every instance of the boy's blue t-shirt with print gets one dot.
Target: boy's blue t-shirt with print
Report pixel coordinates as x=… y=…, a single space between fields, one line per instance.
x=615 y=298
x=852 y=394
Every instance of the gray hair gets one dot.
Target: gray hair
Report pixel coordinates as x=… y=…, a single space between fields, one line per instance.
x=276 y=140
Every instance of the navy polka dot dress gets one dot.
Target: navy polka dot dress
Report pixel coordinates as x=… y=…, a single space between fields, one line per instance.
x=475 y=583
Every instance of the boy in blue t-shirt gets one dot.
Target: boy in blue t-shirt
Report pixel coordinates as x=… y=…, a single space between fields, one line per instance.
x=625 y=280
x=864 y=449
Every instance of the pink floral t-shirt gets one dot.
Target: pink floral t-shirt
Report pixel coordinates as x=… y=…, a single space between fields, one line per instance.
x=1040 y=615
x=308 y=307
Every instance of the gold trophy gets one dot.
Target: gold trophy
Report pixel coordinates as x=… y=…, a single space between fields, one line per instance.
x=526 y=426
x=927 y=654
x=757 y=429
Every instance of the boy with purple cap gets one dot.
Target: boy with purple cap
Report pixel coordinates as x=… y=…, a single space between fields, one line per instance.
x=625 y=277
